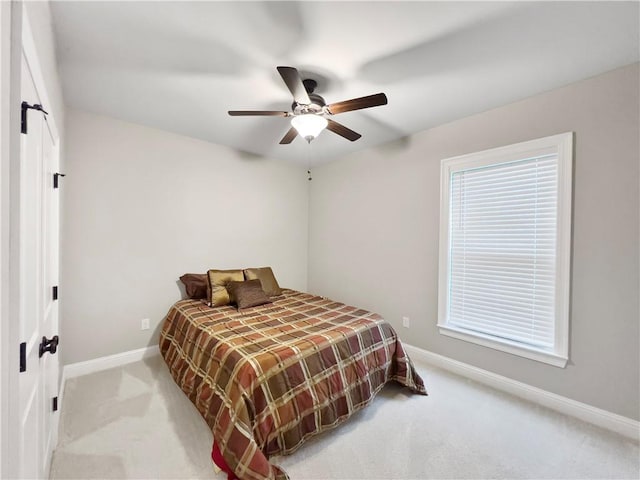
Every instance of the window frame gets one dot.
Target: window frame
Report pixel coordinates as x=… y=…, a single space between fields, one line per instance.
x=562 y=146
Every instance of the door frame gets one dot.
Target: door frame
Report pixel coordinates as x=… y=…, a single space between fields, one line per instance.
x=10 y=58
x=15 y=37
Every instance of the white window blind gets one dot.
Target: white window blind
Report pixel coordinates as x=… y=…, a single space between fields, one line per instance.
x=503 y=250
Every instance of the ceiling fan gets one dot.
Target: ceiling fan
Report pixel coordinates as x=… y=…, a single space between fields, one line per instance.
x=309 y=110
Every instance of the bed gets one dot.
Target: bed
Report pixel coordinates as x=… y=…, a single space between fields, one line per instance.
x=267 y=378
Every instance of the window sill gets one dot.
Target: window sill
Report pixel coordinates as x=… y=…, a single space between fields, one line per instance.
x=505 y=346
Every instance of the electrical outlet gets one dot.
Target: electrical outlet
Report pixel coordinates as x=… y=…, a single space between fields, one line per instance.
x=406 y=323
x=144 y=324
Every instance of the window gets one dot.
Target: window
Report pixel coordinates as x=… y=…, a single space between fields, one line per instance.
x=505 y=233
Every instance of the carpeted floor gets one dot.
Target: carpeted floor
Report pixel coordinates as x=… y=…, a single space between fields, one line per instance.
x=133 y=422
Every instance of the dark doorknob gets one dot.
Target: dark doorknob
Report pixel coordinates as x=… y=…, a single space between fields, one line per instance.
x=50 y=346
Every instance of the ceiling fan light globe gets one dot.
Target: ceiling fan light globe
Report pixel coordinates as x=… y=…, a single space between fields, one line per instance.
x=309 y=125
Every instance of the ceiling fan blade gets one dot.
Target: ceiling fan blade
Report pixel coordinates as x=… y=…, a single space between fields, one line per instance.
x=358 y=103
x=294 y=83
x=244 y=113
x=289 y=136
x=341 y=130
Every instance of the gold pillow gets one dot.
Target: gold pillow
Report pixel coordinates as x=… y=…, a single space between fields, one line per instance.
x=217 y=293
x=267 y=279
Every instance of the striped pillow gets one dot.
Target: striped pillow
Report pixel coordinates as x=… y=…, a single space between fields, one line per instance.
x=248 y=294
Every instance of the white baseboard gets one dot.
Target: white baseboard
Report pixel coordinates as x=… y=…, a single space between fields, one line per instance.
x=602 y=418
x=103 y=363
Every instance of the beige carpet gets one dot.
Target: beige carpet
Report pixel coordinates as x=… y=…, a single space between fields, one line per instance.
x=134 y=422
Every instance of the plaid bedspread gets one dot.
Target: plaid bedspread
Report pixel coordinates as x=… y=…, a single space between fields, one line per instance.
x=267 y=378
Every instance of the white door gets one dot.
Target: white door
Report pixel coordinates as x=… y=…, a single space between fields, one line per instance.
x=48 y=314
x=38 y=224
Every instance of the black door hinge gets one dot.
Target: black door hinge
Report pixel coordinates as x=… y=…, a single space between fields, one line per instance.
x=23 y=119
x=55 y=292
x=55 y=404
x=55 y=179
x=23 y=357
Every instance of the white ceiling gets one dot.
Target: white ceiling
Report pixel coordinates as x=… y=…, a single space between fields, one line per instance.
x=180 y=66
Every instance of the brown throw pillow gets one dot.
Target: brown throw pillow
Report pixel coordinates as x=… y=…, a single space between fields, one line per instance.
x=195 y=284
x=266 y=277
x=217 y=293
x=248 y=294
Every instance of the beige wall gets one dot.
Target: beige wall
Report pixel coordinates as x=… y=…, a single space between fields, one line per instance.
x=144 y=206
x=373 y=234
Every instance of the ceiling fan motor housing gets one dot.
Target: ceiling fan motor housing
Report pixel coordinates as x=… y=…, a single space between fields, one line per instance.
x=316 y=106
x=317 y=99
x=317 y=102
